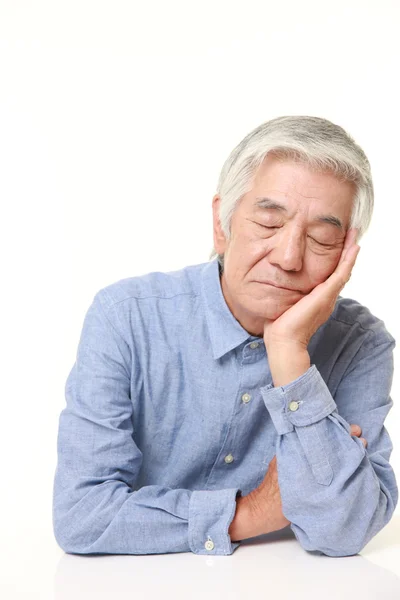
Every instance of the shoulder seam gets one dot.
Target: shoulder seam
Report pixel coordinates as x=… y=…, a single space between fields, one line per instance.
x=115 y=302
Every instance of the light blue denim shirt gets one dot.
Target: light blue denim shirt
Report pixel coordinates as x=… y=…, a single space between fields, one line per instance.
x=171 y=414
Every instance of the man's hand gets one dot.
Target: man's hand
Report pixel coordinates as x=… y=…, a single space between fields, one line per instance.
x=286 y=339
x=297 y=325
x=266 y=502
x=356 y=430
x=261 y=511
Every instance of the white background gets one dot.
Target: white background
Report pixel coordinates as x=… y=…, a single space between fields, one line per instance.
x=115 y=120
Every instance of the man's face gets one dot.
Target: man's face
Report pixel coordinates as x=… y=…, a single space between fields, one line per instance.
x=297 y=246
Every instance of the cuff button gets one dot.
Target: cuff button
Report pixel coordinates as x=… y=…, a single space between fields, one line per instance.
x=209 y=545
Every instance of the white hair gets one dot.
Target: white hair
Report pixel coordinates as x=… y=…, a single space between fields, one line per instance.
x=318 y=143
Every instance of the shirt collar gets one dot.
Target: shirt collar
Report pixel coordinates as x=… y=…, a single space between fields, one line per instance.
x=225 y=330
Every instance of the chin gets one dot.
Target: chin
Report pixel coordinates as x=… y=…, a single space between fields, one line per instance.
x=272 y=309
x=271 y=312
x=273 y=315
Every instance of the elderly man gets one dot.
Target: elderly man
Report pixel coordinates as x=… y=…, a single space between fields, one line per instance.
x=227 y=399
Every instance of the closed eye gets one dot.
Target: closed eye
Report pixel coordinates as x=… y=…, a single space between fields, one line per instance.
x=320 y=243
x=311 y=238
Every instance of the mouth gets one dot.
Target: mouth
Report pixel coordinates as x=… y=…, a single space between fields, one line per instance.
x=277 y=286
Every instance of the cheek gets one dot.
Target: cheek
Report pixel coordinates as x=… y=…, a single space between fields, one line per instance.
x=247 y=252
x=323 y=266
x=255 y=248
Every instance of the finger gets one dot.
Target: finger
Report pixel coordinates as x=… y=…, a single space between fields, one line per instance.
x=350 y=240
x=364 y=441
x=355 y=429
x=349 y=252
x=351 y=237
x=342 y=273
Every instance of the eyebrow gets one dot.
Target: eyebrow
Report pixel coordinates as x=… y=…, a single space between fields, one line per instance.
x=263 y=202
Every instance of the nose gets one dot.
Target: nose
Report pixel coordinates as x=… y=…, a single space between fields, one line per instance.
x=288 y=251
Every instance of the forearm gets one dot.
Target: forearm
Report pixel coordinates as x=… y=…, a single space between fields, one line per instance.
x=254 y=516
x=243 y=525
x=155 y=519
x=287 y=362
x=334 y=496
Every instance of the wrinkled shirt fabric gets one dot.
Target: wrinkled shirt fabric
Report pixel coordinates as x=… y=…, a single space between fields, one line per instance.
x=171 y=415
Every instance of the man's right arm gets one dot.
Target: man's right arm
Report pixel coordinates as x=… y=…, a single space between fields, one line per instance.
x=260 y=511
x=95 y=509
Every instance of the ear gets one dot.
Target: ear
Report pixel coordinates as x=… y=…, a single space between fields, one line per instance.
x=218 y=235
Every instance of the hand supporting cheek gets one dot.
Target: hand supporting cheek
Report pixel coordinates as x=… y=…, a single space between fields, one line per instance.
x=297 y=325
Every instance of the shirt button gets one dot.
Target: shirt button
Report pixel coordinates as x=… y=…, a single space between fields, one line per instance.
x=254 y=345
x=246 y=398
x=229 y=458
x=293 y=405
x=209 y=545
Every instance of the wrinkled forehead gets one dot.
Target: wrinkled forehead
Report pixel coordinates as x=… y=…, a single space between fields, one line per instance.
x=263 y=205
x=284 y=187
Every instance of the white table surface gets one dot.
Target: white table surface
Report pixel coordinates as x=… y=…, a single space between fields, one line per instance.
x=272 y=566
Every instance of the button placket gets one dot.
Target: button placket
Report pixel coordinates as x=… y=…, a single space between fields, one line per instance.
x=294 y=405
x=250 y=373
x=251 y=352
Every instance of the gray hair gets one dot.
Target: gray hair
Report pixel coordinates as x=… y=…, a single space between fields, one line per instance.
x=318 y=143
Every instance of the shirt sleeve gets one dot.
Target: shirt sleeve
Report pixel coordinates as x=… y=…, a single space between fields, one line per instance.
x=95 y=510
x=337 y=494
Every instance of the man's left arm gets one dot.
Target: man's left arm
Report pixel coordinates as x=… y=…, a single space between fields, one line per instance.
x=337 y=494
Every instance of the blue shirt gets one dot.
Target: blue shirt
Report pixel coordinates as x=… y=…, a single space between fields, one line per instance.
x=171 y=414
